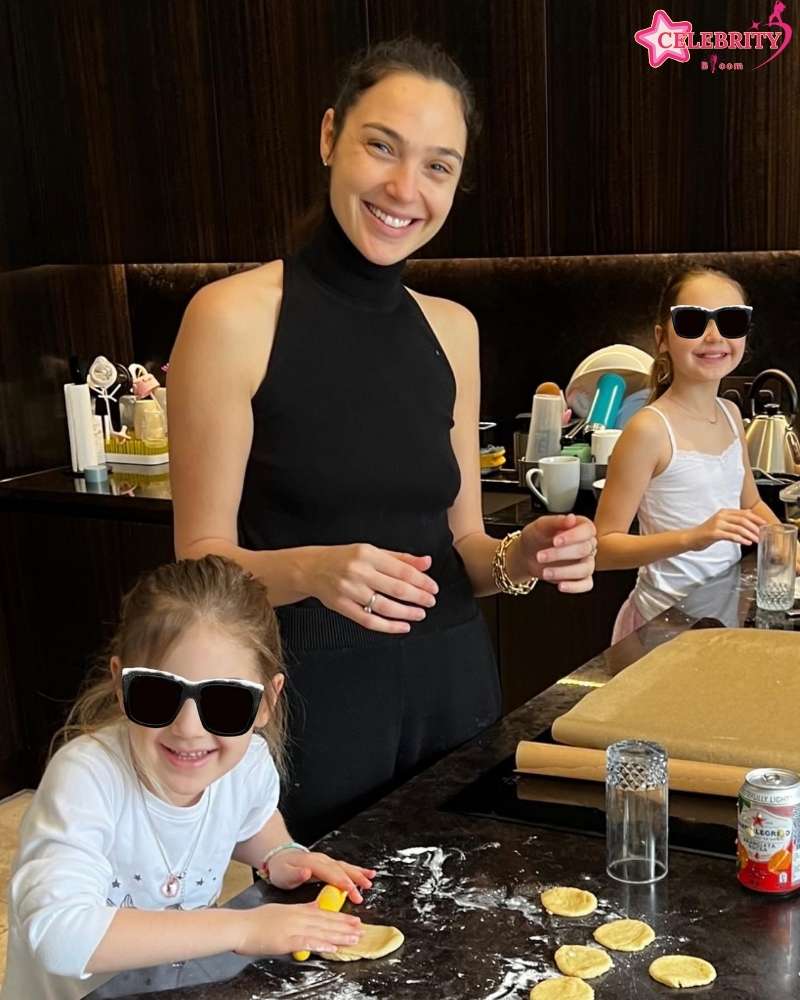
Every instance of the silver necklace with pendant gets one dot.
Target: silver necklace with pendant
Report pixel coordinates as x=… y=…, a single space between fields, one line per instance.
x=172 y=884
x=699 y=416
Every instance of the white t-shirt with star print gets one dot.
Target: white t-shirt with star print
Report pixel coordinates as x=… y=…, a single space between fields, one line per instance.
x=87 y=848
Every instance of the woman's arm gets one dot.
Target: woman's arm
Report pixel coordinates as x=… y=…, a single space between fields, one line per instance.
x=215 y=368
x=555 y=548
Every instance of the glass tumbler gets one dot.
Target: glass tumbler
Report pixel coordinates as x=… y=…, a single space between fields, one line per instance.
x=637 y=811
x=777 y=544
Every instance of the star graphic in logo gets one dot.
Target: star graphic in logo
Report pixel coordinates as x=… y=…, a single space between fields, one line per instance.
x=652 y=39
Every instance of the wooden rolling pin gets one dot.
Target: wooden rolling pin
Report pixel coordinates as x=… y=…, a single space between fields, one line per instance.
x=560 y=761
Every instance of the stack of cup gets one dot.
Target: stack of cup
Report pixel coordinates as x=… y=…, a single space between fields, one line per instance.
x=544 y=435
x=603 y=442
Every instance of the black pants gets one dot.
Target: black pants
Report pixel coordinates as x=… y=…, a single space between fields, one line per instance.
x=363 y=720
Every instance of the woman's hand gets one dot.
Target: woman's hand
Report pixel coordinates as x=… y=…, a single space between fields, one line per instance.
x=351 y=578
x=740 y=526
x=278 y=929
x=289 y=869
x=560 y=549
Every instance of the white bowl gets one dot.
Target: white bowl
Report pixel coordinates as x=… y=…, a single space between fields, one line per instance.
x=630 y=362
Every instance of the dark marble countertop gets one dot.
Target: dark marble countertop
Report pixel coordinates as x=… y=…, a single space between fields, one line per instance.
x=465 y=890
x=133 y=493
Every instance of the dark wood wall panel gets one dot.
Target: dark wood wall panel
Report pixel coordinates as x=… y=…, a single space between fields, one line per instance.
x=183 y=130
x=46 y=314
x=276 y=65
x=119 y=132
x=634 y=152
x=667 y=159
x=762 y=155
x=12 y=742
x=66 y=614
x=501 y=48
x=16 y=229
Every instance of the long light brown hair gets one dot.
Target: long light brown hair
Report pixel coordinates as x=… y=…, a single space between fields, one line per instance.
x=154 y=615
x=661 y=374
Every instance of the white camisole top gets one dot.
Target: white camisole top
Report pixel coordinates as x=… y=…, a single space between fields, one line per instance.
x=693 y=487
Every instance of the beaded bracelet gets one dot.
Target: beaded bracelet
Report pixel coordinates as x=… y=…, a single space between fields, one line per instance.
x=502 y=580
x=290 y=846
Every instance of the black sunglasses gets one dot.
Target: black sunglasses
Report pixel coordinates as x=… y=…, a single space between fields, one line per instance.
x=226 y=706
x=690 y=322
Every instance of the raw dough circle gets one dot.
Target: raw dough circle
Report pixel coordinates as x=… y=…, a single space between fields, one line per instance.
x=568 y=902
x=582 y=961
x=375 y=942
x=562 y=988
x=625 y=935
x=682 y=970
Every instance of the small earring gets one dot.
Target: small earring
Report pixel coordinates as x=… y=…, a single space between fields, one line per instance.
x=324 y=162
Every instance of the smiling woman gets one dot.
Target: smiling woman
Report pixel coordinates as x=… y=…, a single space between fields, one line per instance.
x=324 y=434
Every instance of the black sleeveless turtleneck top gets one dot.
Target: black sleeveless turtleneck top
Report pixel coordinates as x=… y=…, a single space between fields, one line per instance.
x=351 y=432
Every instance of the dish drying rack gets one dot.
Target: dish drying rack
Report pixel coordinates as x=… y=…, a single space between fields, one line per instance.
x=133 y=451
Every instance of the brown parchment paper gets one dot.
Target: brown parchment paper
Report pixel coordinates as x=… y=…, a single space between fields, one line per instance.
x=730 y=696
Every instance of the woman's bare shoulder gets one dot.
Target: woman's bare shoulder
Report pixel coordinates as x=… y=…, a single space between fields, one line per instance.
x=242 y=292
x=455 y=328
x=232 y=321
x=451 y=315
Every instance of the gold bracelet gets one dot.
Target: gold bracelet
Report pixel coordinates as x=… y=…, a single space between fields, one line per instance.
x=502 y=580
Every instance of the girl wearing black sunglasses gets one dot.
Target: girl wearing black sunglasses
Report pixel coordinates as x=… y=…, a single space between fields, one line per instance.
x=170 y=767
x=681 y=464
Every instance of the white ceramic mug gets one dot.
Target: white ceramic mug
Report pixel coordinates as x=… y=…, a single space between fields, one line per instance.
x=560 y=479
x=603 y=444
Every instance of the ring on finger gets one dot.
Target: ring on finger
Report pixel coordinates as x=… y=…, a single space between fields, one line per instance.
x=370 y=605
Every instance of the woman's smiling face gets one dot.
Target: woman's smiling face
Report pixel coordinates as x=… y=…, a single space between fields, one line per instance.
x=396 y=164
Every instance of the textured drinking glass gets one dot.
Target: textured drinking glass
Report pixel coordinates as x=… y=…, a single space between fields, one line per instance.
x=777 y=544
x=637 y=811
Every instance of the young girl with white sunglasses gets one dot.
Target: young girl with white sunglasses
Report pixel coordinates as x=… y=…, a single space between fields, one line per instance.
x=168 y=770
x=681 y=464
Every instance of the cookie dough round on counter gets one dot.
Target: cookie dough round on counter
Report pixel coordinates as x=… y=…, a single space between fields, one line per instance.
x=682 y=970
x=566 y=901
x=562 y=988
x=625 y=935
x=582 y=961
x=375 y=942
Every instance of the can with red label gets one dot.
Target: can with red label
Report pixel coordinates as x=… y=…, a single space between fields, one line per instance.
x=768 y=845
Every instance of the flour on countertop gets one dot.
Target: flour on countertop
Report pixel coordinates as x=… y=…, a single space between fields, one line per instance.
x=310 y=981
x=518 y=973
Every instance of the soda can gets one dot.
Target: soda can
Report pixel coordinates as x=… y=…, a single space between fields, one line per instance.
x=768 y=844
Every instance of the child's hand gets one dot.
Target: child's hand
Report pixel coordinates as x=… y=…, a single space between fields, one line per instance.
x=289 y=869
x=277 y=929
x=740 y=526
